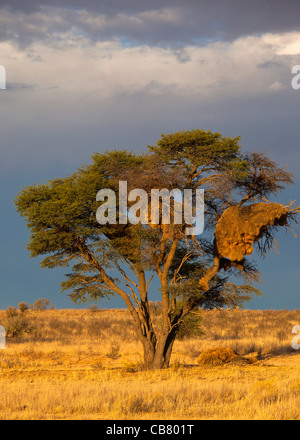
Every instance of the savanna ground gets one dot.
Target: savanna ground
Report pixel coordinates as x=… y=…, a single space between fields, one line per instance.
x=84 y=364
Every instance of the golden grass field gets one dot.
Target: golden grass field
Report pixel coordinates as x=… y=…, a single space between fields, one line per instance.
x=84 y=364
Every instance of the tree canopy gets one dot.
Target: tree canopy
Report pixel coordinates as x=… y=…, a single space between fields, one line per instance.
x=193 y=271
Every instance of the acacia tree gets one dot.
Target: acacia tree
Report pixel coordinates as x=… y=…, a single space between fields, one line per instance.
x=193 y=271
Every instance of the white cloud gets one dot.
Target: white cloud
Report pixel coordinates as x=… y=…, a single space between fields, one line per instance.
x=285 y=43
x=246 y=66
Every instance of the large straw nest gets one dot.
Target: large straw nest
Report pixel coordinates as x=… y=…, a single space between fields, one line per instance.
x=240 y=226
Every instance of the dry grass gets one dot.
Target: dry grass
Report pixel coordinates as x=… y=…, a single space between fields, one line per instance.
x=82 y=364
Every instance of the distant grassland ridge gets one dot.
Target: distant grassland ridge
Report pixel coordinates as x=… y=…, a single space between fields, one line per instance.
x=246 y=331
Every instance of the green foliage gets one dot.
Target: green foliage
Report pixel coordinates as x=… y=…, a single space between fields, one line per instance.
x=191 y=326
x=221 y=294
x=199 y=147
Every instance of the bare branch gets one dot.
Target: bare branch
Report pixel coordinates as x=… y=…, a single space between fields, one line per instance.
x=125 y=276
x=149 y=281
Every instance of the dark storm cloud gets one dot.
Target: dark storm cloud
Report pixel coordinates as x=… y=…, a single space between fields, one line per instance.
x=169 y=22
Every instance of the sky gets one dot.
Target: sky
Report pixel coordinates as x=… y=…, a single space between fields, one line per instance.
x=89 y=76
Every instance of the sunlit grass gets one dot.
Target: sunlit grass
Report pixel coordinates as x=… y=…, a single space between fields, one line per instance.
x=78 y=364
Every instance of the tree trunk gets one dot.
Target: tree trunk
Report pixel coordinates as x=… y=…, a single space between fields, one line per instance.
x=149 y=353
x=164 y=350
x=158 y=355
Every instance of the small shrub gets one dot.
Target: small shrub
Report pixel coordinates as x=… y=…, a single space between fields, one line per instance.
x=130 y=366
x=41 y=304
x=93 y=308
x=23 y=306
x=16 y=327
x=155 y=307
x=114 y=352
x=11 y=312
x=137 y=404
